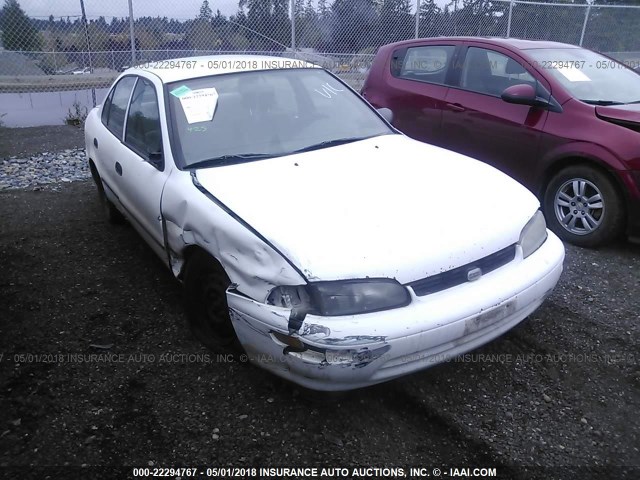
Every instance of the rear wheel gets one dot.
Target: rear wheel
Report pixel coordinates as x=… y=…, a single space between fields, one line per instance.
x=205 y=288
x=110 y=211
x=584 y=207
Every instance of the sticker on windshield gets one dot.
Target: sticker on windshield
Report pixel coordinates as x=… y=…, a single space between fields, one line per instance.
x=199 y=105
x=180 y=91
x=573 y=74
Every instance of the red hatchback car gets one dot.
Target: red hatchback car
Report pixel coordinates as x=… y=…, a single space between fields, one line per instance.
x=562 y=120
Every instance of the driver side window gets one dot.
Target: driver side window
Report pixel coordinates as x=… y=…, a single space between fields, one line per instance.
x=143 y=134
x=489 y=72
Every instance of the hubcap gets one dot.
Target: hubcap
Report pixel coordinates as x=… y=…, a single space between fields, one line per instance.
x=579 y=206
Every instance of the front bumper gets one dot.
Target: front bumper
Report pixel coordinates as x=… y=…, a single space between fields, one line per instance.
x=359 y=350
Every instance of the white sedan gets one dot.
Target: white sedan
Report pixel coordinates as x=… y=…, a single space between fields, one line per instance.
x=337 y=252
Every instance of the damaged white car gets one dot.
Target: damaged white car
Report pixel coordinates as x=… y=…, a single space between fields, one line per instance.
x=337 y=252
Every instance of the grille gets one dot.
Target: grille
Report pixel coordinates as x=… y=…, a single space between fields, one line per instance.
x=457 y=276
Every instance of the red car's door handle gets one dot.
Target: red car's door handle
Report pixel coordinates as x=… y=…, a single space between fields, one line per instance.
x=456 y=107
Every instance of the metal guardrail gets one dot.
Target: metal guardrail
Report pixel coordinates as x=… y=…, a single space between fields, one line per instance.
x=53 y=83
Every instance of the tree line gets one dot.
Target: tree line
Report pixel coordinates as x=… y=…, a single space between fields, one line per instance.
x=341 y=26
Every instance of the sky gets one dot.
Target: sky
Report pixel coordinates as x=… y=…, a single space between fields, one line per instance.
x=181 y=9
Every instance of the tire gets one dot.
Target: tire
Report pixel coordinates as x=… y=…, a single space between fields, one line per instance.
x=584 y=207
x=110 y=211
x=205 y=287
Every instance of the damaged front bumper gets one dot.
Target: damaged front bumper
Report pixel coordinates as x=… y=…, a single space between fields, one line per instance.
x=348 y=352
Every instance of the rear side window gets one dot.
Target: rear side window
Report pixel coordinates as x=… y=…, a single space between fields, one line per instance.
x=426 y=64
x=143 y=122
x=105 y=108
x=115 y=107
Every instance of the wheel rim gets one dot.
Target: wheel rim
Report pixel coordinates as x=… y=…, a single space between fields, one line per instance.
x=579 y=206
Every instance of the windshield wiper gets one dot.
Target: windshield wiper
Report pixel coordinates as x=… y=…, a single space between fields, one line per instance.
x=330 y=143
x=602 y=103
x=632 y=103
x=230 y=160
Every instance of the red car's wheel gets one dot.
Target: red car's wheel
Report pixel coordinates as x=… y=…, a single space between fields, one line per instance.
x=583 y=206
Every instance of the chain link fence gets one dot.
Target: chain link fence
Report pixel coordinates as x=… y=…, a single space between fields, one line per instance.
x=84 y=44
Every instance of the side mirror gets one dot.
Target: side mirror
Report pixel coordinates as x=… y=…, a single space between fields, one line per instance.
x=523 y=94
x=386 y=113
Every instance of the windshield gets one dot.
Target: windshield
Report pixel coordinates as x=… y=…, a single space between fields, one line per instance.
x=246 y=116
x=589 y=76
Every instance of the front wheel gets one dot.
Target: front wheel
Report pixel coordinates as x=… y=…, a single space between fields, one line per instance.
x=584 y=207
x=205 y=288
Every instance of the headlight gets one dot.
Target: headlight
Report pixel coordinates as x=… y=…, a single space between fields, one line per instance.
x=343 y=297
x=533 y=234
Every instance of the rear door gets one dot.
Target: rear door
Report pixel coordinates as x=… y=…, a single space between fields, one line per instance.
x=107 y=141
x=415 y=88
x=478 y=123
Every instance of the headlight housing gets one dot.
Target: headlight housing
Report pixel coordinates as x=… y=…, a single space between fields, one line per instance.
x=533 y=234
x=342 y=297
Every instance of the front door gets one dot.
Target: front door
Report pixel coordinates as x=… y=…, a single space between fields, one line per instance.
x=478 y=123
x=143 y=173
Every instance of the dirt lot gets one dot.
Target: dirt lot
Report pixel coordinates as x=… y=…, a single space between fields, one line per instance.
x=562 y=389
x=32 y=140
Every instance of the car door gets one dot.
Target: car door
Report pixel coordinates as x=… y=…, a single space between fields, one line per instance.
x=478 y=123
x=417 y=89
x=107 y=141
x=143 y=171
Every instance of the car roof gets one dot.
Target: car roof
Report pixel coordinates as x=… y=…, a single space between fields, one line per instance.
x=176 y=69
x=514 y=43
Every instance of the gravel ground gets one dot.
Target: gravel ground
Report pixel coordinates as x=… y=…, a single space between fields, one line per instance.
x=560 y=390
x=41 y=157
x=44 y=169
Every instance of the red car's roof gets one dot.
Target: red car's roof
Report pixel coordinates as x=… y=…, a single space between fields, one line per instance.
x=515 y=43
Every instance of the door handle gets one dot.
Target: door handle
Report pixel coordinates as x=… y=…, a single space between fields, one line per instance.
x=118 y=168
x=456 y=107
x=95 y=142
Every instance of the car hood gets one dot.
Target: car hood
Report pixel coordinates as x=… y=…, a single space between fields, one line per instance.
x=629 y=113
x=387 y=206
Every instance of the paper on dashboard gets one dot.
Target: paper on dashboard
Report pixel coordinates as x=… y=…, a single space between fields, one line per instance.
x=199 y=105
x=573 y=74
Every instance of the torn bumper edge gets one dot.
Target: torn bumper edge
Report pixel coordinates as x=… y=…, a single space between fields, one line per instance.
x=355 y=351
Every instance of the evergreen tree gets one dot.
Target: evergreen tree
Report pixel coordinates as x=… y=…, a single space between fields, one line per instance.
x=309 y=11
x=323 y=10
x=18 y=32
x=205 y=11
x=298 y=8
x=431 y=19
x=354 y=20
x=395 y=21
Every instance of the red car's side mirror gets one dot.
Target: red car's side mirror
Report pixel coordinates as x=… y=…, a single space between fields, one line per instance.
x=522 y=94
x=525 y=94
